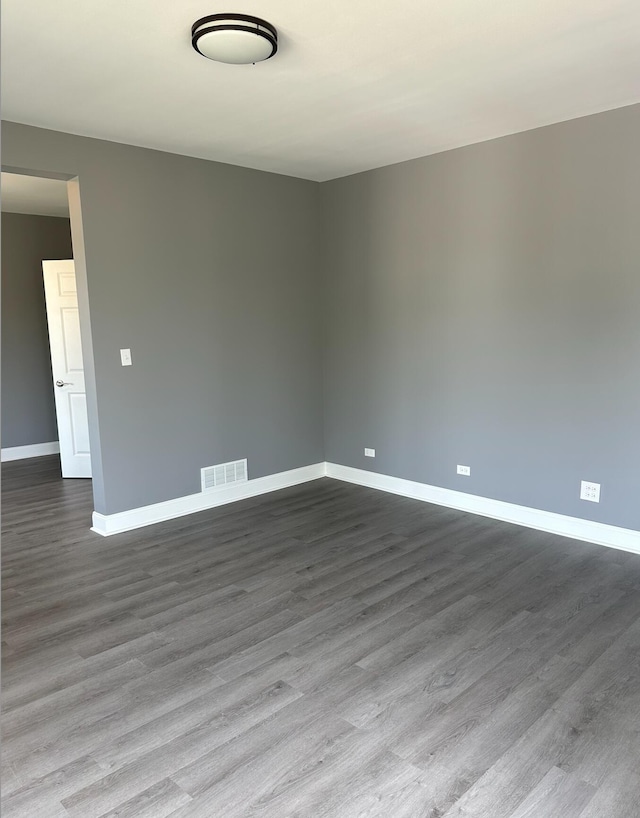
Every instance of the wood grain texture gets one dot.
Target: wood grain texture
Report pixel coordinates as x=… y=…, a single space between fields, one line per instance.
x=325 y=651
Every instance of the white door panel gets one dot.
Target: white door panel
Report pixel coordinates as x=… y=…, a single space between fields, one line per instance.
x=68 y=371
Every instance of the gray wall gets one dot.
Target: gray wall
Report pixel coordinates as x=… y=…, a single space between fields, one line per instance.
x=28 y=412
x=209 y=273
x=483 y=308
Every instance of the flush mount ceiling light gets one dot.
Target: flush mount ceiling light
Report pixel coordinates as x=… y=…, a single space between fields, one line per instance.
x=234 y=38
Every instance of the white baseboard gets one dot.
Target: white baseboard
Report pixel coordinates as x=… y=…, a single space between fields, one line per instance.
x=612 y=536
x=624 y=539
x=107 y=524
x=34 y=450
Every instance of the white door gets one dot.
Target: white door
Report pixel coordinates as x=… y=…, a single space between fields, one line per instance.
x=66 y=362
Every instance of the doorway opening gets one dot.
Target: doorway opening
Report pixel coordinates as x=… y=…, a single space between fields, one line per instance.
x=42 y=336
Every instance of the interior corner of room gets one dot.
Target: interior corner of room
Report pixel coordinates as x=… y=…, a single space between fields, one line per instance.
x=477 y=306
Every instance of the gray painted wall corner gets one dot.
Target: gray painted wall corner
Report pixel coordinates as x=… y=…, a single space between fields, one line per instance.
x=483 y=308
x=209 y=274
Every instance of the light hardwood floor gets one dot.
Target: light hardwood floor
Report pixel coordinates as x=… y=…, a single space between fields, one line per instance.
x=326 y=650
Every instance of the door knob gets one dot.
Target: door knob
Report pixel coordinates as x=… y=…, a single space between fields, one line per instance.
x=63 y=383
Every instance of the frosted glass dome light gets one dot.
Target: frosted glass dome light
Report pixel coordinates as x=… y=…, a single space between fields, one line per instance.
x=239 y=39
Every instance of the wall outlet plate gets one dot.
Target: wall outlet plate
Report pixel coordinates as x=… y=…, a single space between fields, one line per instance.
x=125 y=357
x=369 y=452
x=590 y=491
x=465 y=470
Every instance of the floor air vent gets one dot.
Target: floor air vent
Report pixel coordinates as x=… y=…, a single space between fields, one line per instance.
x=224 y=474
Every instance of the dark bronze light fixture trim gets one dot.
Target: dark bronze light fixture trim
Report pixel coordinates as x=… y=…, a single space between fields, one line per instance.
x=205 y=30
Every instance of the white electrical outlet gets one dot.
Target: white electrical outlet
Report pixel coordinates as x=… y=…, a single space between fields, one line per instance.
x=590 y=491
x=466 y=470
x=369 y=452
x=125 y=357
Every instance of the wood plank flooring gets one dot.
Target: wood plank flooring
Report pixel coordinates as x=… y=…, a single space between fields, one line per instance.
x=326 y=650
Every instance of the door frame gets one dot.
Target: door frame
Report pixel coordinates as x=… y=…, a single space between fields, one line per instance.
x=79 y=257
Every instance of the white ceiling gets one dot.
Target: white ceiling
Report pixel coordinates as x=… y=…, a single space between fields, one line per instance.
x=30 y=194
x=356 y=84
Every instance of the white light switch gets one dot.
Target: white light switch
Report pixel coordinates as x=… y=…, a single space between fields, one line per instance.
x=125 y=357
